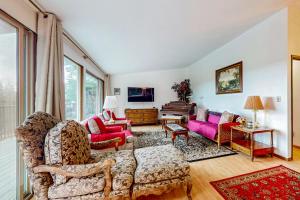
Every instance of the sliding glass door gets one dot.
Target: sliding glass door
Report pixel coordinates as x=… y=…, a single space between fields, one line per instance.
x=17 y=61
x=8 y=109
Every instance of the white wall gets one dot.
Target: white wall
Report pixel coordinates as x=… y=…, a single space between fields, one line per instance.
x=294 y=49
x=264 y=50
x=161 y=81
x=75 y=54
x=21 y=11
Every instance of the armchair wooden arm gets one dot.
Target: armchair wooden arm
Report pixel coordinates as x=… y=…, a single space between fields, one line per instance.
x=104 y=167
x=106 y=143
x=71 y=172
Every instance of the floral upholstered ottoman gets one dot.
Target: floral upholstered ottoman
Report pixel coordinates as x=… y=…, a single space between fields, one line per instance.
x=160 y=169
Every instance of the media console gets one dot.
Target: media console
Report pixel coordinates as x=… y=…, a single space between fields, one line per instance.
x=142 y=116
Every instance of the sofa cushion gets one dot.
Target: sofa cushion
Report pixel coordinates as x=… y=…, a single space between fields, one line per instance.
x=77 y=187
x=159 y=163
x=194 y=125
x=108 y=136
x=214 y=119
x=67 y=144
x=123 y=170
x=208 y=130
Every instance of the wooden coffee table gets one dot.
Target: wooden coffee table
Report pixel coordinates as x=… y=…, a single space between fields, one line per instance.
x=176 y=130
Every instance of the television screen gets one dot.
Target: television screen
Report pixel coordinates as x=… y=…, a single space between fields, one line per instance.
x=137 y=94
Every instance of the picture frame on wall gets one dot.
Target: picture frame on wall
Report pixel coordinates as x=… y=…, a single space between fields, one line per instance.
x=229 y=79
x=117 y=91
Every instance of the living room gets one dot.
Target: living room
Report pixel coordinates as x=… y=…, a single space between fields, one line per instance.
x=149 y=100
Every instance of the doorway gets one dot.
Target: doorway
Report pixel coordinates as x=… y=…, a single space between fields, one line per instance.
x=296 y=106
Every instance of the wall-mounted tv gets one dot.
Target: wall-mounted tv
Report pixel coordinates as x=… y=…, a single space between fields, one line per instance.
x=138 y=94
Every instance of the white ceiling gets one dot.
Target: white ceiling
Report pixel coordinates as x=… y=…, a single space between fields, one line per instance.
x=142 y=35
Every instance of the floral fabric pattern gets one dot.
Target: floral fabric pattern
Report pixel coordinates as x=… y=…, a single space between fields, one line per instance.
x=77 y=187
x=31 y=134
x=160 y=163
x=67 y=144
x=123 y=170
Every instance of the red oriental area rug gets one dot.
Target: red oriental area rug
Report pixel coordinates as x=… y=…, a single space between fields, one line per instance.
x=276 y=183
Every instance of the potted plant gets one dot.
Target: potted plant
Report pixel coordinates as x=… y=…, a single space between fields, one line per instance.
x=183 y=89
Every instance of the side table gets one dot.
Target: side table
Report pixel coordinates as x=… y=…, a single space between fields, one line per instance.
x=250 y=146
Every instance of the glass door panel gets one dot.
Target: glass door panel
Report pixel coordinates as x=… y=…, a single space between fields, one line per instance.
x=8 y=110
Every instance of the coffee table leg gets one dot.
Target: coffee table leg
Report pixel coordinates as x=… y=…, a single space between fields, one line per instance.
x=187 y=139
x=173 y=138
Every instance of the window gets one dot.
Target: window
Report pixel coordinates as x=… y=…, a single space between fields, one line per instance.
x=17 y=45
x=72 y=89
x=91 y=95
x=8 y=110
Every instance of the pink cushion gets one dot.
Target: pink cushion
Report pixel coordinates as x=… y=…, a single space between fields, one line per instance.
x=206 y=129
x=214 y=119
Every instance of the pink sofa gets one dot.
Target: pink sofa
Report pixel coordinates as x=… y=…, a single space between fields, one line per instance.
x=211 y=128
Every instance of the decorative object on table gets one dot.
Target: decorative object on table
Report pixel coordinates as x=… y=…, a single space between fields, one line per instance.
x=248 y=144
x=242 y=121
x=230 y=79
x=250 y=124
x=117 y=91
x=198 y=148
x=183 y=90
x=110 y=104
x=273 y=183
x=254 y=103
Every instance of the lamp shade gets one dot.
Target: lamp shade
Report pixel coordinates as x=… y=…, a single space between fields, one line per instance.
x=254 y=103
x=110 y=102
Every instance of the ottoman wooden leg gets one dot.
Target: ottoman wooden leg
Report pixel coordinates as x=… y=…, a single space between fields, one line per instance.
x=189 y=190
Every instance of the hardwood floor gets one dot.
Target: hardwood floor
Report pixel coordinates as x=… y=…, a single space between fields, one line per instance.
x=203 y=172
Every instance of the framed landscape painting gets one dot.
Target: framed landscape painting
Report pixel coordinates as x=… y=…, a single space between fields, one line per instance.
x=230 y=79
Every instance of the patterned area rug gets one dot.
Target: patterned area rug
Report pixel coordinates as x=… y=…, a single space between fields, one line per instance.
x=198 y=148
x=273 y=183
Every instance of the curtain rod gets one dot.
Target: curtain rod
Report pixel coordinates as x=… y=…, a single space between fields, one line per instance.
x=69 y=37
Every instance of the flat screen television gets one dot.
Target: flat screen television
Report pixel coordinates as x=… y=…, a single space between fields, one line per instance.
x=138 y=94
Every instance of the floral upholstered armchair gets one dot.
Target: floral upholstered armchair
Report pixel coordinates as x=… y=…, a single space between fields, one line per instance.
x=61 y=164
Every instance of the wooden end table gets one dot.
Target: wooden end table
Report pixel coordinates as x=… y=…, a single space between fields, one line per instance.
x=176 y=130
x=250 y=146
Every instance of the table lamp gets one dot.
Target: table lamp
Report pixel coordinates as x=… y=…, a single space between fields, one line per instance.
x=110 y=103
x=254 y=103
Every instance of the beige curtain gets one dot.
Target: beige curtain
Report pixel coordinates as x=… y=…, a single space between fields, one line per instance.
x=50 y=72
x=107 y=85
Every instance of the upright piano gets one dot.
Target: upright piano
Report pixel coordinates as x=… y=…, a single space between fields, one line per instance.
x=178 y=108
